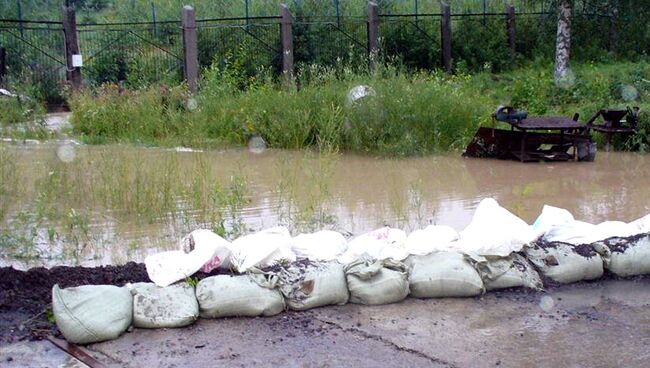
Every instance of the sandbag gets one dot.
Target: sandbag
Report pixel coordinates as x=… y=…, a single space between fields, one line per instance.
x=383 y=243
x=221 y=258
x=550 y=218
x=494 y=231
x=506 y=272
x=307 y=285
x=443 y=274
x=430 y=239
x=325 y=245
x=164 y=307
x=565 y=263
x=262 y=249
x=642 y=224
x=92 y=313
x=376 y=282
x=628 y=256
x=238 y=296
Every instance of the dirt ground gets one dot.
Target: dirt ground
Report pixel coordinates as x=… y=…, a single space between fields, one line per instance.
x=597 y=324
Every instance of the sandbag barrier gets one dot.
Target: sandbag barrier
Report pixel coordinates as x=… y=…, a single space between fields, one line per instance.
x=273 y=283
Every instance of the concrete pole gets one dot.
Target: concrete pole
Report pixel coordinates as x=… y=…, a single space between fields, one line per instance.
x=190 y=49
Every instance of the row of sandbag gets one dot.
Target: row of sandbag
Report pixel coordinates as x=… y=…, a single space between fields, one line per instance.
x=493 y=231
x=89 y=314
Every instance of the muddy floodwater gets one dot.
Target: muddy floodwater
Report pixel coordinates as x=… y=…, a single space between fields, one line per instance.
x=64 y=203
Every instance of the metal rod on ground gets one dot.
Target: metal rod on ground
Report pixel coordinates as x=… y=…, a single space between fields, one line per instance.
x=190 y=49
x=286 y=35
x=71 y=46
x=510 y=24
x=373 y=32
x=19 y=5
x=153 y=18
x=445 y=36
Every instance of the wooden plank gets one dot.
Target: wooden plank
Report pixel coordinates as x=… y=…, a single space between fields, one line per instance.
x=445 y=36
x=190 y=48
x=76 y=352
x=286 y=34
x=71 y=46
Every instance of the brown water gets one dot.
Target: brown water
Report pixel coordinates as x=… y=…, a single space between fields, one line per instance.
x=351 y=193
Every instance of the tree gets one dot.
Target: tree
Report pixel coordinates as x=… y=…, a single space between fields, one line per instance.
x=563 y=42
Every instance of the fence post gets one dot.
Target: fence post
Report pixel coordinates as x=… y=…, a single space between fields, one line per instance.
x=286 y=35
x=445 y=36
x=373 y=30
x=512 y=31
x=3 y=65
x=613 y=31
x=190 y=48
x=71 y=46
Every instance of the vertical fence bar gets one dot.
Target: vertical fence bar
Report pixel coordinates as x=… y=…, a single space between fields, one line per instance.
x=445 y=36
x=613 y=32
x=71 y=46
x=3 y=65
x=512 y=31
x=415 y=9
x=153 y=19
x=373 y=30
x=246 y=12
x=338 y=13
x=286 y=35
x=190 y=48
x=484 y=11
x=19 y=5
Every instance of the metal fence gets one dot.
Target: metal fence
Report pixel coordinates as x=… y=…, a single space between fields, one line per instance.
x=143 y=53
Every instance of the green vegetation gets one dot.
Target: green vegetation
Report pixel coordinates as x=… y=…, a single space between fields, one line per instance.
x=410 y=114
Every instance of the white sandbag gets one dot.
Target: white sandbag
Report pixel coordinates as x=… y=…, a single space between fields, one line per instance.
x=628 y=256
x=551 y=217
x=203 y=237
x=325 y=245
x=376 y=282
x=579 y=232
x=166 y=268
x=307 y=285
x=164 y=307
x=565 y=263
x=430 y=239
x=494 y=231
x=383 y=243
x=506 y=272
x=92 y=313
x=262 y=249
x=642 y=224
x=237 y=296
x=443 y=274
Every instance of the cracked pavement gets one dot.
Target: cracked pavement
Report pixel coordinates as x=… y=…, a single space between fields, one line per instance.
x=598 y=324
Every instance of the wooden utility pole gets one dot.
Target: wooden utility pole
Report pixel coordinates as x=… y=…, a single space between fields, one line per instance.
x=71 y=46
x=190 y=49
x=445 y=36
x=3 y=65
x=373 y=30
x=286 y=35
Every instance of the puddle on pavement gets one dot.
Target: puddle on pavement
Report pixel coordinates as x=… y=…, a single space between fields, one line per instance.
x=62 y=203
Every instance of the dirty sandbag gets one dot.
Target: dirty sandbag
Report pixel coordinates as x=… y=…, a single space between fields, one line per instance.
x=307 y=285
x=222 y=254
x=506 y=272
x=494 y=231
x=238 y=296
x=324 y=245
x=563 y=262
x=164 y=307
x=92 y=313
x=443 y=274
x=383 y=243
x=430 y=239
x=375 y=282
x=262 y=249
x=166 y=268
x=629 y=256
